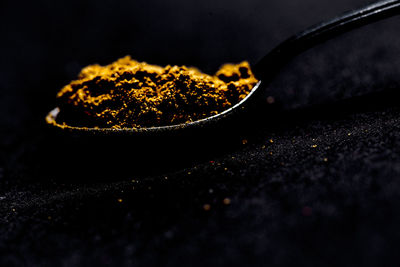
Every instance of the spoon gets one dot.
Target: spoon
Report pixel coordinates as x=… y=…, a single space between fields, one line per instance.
x=265 y=71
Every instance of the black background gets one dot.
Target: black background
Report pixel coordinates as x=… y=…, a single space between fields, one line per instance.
x=323 y=191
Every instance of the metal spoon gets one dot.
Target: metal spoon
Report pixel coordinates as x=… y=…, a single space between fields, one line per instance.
x=265 y=70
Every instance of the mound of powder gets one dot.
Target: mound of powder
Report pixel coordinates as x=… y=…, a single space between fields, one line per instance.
x=128 y=93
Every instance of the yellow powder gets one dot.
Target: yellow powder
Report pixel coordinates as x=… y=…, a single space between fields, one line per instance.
x=128 y=93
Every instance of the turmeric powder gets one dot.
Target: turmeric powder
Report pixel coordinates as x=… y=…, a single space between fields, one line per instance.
x=132 y=94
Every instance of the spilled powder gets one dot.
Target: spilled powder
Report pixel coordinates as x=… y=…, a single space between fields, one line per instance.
x=132 y=94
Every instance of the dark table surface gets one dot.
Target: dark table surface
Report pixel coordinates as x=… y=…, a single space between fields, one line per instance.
x=316 y=184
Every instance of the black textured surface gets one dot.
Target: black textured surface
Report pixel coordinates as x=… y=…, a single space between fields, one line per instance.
x=307 y=186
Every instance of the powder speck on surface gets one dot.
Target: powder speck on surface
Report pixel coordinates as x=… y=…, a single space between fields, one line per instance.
x=132 y=94
x=227 y=201
x=206 y=207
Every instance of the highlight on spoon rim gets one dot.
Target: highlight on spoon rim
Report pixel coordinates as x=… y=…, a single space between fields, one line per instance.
x=51 y=119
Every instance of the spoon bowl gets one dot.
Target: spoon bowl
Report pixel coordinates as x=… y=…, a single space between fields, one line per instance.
x=51 y=119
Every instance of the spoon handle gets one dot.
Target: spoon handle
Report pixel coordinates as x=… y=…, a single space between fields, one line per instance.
x=271 y=64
